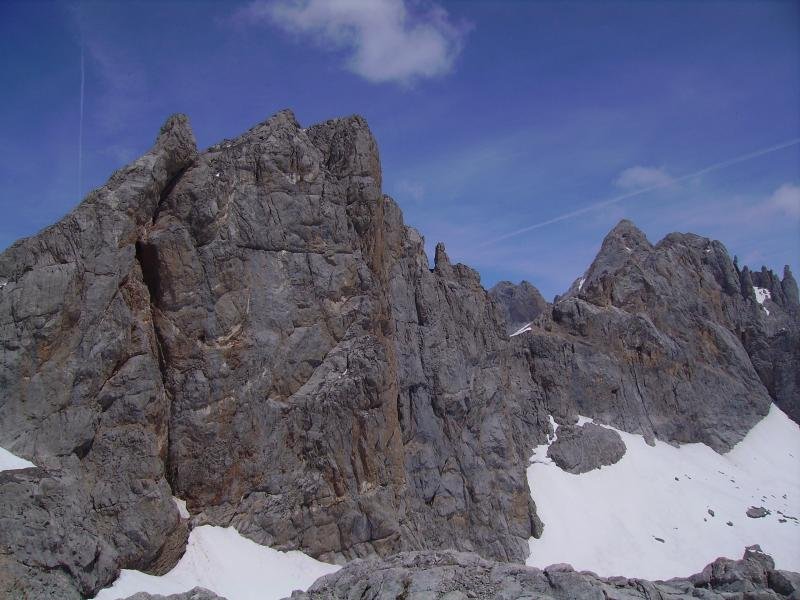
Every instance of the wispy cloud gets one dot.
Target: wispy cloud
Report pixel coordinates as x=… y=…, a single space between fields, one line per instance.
x=638 y=192
x=636 y=178
x=786 y=200
x=384 y=40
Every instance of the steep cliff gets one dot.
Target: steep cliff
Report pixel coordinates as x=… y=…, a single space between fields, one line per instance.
x=655 y=340
x=520 y=303
x=255 y=330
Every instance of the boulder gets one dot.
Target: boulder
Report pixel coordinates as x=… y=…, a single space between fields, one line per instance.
x=586 y=447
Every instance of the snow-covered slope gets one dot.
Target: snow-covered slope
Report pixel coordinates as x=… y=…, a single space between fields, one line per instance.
x=10 y=461
x=608 y=520
x=225 y=562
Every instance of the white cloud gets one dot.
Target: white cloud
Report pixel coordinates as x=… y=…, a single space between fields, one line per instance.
x=383 y=39
x=638 y=177
x=786 y=199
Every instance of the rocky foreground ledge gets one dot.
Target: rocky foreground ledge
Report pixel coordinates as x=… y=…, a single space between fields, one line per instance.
x=461 y=575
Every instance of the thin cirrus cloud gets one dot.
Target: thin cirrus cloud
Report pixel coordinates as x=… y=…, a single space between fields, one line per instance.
x=786 y=200
x=639 y=177
x=383 y=41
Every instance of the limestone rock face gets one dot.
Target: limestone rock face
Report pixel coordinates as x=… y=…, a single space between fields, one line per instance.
x=329 y=392
x=586 y=447
x=422 y=575
x=255 y=330
x=520 y=304
x=771 y=334
x=652 y=343
x=81 y=394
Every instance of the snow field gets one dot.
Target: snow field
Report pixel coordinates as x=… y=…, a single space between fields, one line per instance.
x=225 y=562
x=9 y=461
x=607 y=520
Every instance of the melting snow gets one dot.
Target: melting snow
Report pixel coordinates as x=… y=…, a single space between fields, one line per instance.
x=225 y=562
x=607 y=520
x=523 y=329
x=9 y=461
x=762 y=294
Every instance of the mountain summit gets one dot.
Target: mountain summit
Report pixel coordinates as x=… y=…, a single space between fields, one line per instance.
x=255 y=330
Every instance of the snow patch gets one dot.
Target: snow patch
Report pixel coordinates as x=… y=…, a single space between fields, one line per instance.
x=9 y=461
x=540 y=452
x=611 y=520
x=223 y=561
x=182 y=510
x=583 y=420
x=523 y=329
x=581 y=282
x=762 y=294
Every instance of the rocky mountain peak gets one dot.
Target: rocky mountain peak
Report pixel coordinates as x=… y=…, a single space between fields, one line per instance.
x=348 y=147
x=625 y=236
x=176 y=135
x=441 y=262
x=789 y=285
x=255 y=330
x=520 y=303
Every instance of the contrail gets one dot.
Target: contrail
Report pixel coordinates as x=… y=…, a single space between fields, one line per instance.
x=80 y=131
x=639 y=192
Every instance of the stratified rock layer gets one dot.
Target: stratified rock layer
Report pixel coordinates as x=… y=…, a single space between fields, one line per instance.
x=255 y=330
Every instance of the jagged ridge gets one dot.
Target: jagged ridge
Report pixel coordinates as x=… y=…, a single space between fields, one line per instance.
x=254 y=329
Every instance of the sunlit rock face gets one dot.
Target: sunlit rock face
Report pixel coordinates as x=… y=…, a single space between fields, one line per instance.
x=254 y=329
x=661 y=340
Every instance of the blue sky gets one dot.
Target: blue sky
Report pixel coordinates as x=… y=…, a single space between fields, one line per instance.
x=491 y=116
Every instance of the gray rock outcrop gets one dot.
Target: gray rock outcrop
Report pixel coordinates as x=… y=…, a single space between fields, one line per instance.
x=582 y=448
x=652 y=343
x=757 y=512
x=81 y=393
x=194 y=594
x=771 y=335
x=459 y=576
x=520 y=304
x=254 y=329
